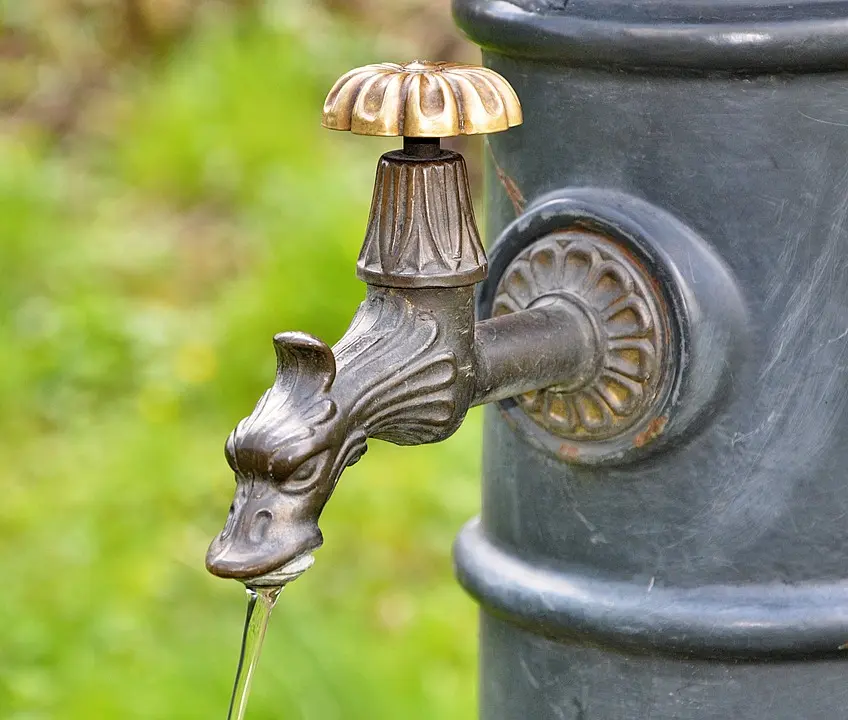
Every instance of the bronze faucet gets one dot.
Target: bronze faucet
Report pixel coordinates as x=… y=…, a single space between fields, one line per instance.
x=415 y=358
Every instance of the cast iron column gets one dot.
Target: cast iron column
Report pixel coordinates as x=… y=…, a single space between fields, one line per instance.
x=692 y=567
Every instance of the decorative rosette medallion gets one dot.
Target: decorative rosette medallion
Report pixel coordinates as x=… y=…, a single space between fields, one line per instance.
x=421 y=99
x=591 y=271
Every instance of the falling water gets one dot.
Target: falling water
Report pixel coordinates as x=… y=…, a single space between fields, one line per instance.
x=262 y=595
x=260 y=602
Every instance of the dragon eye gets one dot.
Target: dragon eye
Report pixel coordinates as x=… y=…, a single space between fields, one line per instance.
x=301 y=478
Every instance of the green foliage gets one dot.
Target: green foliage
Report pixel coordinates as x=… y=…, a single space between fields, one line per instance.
x=146 y=268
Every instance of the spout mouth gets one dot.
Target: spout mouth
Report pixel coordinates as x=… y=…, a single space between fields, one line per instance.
x=268 y=533
x=263 y=565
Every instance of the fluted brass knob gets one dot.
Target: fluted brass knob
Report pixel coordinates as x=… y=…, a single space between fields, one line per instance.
x=422 y=100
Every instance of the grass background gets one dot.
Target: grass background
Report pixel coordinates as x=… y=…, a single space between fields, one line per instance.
x=168 y=201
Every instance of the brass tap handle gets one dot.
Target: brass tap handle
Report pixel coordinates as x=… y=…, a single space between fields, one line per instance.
x=421 y=230
x=421 y=100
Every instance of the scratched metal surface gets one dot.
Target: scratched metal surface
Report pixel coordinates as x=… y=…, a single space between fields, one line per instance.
x=757 y=166
x=529 y=677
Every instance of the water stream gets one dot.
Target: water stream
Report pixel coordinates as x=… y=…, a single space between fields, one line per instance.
x=260 y=603
x=262 y=595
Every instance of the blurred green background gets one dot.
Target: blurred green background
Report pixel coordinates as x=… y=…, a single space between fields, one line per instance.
x=169 y=201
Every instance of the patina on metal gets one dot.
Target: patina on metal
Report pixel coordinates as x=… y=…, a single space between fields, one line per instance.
x=629 y=320
x=668 y=318
x=422 y=231
x=414 y=358
x=577 y=321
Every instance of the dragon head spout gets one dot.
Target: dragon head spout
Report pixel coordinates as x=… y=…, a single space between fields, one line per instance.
x=287 y=456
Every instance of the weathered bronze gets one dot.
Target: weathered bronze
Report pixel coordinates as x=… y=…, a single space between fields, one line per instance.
x=578 y=332
x=629 y=319
x=422 y=231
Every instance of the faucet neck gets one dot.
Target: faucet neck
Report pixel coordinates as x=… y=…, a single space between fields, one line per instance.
x=405 y=366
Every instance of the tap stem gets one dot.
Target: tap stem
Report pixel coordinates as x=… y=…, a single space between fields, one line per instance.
x=422 y=147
